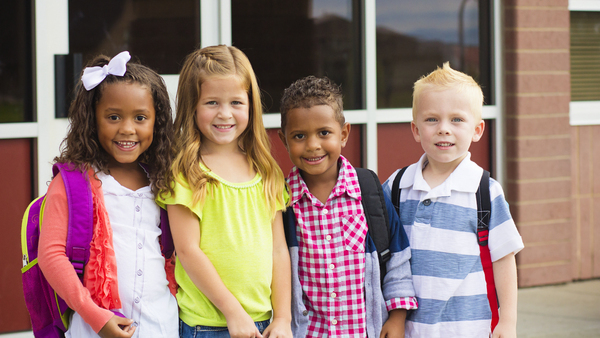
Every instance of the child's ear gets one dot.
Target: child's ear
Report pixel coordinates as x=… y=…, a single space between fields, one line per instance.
x=415 y=131
x=479 y=128
x=345 y=133
x=282 y=138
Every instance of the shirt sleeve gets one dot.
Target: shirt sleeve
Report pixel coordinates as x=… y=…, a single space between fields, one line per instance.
x=54 y=263
x=504 y=237
x=398 y=288
x=182 y=195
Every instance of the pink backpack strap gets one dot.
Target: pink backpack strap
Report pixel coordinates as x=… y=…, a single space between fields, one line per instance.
x=81 y=217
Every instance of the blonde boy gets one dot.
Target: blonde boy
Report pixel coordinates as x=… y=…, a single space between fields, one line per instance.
x=439 y=212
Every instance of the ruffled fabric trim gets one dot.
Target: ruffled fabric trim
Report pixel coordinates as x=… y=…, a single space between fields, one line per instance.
x=100 y=276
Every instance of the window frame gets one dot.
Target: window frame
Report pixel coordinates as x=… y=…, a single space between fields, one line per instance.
x=584 y=113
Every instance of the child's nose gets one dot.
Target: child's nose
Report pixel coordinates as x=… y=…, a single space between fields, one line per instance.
x=444 y=128
x=313 y=143
x=225 y=112
x=127 y=127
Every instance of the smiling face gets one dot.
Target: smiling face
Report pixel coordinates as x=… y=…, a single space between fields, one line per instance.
x=314 y=140
x=222 y=112
x=125 y=120
x=445 y=126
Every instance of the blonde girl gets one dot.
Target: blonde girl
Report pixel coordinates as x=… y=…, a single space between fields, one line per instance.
x=233 y=265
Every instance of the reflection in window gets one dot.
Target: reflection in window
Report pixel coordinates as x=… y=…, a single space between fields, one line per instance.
x=157 y=33
x=414 y=37
x=288 y=40
x=585 y=56
x=16 y=63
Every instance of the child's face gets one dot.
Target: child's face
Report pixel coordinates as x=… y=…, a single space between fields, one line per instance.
x=314 y=140
x=222 y=112
x=125 y=119
x=445 y=126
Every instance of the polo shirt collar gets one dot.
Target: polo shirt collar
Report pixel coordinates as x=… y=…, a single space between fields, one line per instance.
x=465 y=178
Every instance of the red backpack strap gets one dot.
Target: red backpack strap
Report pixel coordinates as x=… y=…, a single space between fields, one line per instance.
x=81 y=217
x=484 y=210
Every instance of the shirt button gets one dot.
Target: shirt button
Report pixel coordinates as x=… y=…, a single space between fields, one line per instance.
x=325 y=211
x=137 y=208
x=140 y=245
x=139 y=272
x=137 y=299
x=427 y=202
x=331 y=266
x=333 y=295
x=305 y=313
x=328 y=237
x=334 y=321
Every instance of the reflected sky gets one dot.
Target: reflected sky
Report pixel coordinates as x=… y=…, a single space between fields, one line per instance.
x=429 y=19
x=342 y=8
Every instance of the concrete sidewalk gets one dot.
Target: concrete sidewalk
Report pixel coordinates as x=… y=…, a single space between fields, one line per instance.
x=557 y=311
x=569 y=310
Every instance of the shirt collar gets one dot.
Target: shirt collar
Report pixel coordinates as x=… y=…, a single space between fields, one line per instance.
x=347 y=182
x=465 y=178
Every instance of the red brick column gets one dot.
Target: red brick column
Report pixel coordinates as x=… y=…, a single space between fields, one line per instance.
x=538 y=140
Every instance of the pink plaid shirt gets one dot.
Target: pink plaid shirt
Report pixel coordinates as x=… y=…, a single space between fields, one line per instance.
x=331 y=267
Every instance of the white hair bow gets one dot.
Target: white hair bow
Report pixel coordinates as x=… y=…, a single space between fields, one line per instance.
x=93 y=76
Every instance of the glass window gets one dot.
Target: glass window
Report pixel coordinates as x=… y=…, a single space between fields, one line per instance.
x=414 y=37
x=585 y=56
x=158 y=33
x=16 y=62
x=288 y=40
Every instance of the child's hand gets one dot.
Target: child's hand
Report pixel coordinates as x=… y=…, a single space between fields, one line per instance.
x=242 y=326
x=279 y=328
x=504 y=330
x=394 y=326
x=112 y=328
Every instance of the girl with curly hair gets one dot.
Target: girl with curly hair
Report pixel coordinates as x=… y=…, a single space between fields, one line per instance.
x=233 y=266
x=120 y=135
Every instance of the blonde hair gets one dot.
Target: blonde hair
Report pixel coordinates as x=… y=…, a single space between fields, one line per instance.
x=198 y=67
x=447 y=78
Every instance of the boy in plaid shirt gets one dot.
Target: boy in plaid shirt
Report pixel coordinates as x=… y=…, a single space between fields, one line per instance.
x=336 y=289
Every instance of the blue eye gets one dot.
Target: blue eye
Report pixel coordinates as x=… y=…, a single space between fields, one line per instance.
x=457 y=119
x=430 y=119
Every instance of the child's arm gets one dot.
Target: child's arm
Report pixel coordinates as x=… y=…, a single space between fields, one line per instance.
x=59 y=271
x=398 y=289
x=186 y=237
x=505 y=278
x=281 y=285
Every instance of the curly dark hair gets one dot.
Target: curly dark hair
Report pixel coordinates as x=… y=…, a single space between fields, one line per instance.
x=312 y=91
x=82 y=147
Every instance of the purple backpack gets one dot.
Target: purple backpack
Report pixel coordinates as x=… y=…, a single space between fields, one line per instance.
x=49 y=313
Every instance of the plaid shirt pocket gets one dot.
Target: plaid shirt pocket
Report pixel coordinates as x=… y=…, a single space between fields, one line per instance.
x=355 y=230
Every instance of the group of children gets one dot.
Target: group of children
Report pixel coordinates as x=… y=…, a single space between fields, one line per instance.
x=236 y=272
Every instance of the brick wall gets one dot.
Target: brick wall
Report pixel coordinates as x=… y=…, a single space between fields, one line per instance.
x=586 y=201
x=537 y=95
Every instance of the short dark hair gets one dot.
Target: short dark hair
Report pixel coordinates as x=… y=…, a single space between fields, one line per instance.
x=309 y=92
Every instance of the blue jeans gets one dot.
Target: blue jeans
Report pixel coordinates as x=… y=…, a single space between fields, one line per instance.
x=186 y=331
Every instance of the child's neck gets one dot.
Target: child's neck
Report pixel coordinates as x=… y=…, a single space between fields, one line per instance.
x=436 y=173
x=320 y=186
x=129 y=175
x=232 y=166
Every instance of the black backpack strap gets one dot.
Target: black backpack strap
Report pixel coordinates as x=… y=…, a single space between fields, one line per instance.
x=376 y=215
x=289 y=226
x=396 y=190
x=484 y=208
